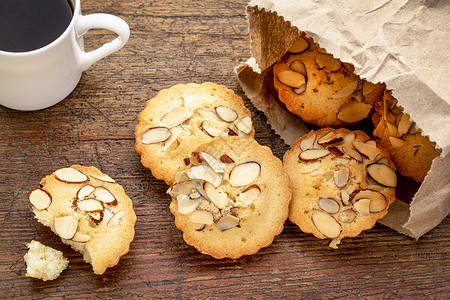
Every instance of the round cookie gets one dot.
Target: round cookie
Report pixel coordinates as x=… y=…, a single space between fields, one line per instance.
x=321 y=89
x=341 y=182
x=411 y=152
x=231 y=199
x=89 y=211
x=179 y=119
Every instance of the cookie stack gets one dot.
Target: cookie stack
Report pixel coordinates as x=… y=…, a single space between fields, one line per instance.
x=230 y=195
x=344 y=181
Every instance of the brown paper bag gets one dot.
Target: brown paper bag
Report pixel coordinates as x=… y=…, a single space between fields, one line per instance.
x=402 y=44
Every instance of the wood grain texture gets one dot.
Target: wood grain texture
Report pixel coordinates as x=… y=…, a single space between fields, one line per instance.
x=179 y=41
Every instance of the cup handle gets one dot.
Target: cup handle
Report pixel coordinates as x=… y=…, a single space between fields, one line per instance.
x=104 y=21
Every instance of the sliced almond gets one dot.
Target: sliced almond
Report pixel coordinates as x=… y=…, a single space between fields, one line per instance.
x=300 y=90
x=104 y=195
x=40 y=198
x=374 y=186
x=326 y=224
x=384 y=160
x=245 y=173
x=226 y=159
x=184 y=187
x=367 y=87
x=349 y=67
x=379 y=130
x=329 y=138
x=176 y=117
x=291 y=78
x=212 y=162
x=89 y=205
x=103 y=177
x=232 y=132
x=96 y=216
x=358 y=96
x=65 y=227
x=244 y=125
x=70 y=175
x=404 y=125
x=396 y=110
x=349 y=137
x=377 y=204
x=347 y=216
x=211 y=130
x=206 y=173
x=328 y=205
x=414 y=129
x=187 y=205
x=308 y=168
x=107 y=215
x=368 y=150
x=345 y=197
x=85 y=191
x=216 y=195
x=176 y=131
x=80 y=238
x=227 y=222
x=341 y=177
x=156 y=135
x=209 y=115
x=199 y=187
x=201 y=217
x=327 y=61
x=313 y=154
x=346 y=90
x=392 y=129
x=227 y=114
x=335 y=151
x=354 y=112
x=248 y=195
x=350 y=151
x=371 y=143
x=299 y=46
x=377 y=200
x=396 y=142
x=298 y=67
x=117 y=218
x=362 y=206
x=308 y=143
x=382 y=174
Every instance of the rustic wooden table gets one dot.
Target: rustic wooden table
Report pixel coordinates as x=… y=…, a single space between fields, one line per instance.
x=180 y=41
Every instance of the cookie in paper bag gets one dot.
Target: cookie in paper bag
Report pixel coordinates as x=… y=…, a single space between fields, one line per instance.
x=411 y=152
x=179 y=119
x=341 y=181
x=89 y=211
x=321 y=89
x=232 y=198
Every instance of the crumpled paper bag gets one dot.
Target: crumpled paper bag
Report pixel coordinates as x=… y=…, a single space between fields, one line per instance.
x=402 y=43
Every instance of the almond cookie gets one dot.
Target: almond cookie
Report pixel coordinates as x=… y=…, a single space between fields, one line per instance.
x=89 y=211
x=181 y=118
x=411 y=152
x=231 y=199
x=342 y=183
x=321 y=89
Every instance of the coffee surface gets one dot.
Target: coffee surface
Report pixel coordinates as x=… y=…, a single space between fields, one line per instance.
x=27 y=25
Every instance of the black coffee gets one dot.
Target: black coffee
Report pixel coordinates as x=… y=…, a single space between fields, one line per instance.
x=27 y=25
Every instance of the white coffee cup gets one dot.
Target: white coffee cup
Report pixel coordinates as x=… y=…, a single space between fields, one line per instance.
x=41 y=78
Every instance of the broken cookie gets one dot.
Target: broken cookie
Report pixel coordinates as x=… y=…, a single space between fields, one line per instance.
x=89 y=211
